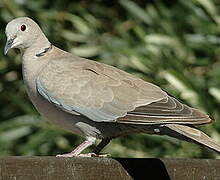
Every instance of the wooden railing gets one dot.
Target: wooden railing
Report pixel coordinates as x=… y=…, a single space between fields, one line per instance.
x=52 y=168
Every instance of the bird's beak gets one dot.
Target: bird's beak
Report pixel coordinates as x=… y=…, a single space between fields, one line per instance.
x=8 y=45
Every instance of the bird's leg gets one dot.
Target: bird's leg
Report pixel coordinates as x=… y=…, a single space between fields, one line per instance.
x=101 y=145
x=79 y=149
x=97 y=149
x=84 y=145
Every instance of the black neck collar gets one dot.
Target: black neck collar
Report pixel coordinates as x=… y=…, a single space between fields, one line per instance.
x=44 y=51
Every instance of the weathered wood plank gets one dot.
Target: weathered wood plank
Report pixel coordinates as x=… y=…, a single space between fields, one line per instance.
x=174 y=169
x=201 y=169
x=52 y=168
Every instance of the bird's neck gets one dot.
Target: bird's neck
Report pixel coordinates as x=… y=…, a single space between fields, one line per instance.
x=33 y=60
x=37 y=48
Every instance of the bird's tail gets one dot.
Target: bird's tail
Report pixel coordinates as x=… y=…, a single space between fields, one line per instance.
x=192 y=135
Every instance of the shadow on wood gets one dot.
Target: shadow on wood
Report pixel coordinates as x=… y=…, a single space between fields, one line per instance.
x=52 y=168
x=144 y=168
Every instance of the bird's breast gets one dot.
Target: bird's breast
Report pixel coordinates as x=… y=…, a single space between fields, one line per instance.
x=48 y=110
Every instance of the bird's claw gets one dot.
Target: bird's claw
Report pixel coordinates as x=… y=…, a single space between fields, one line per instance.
x=83 y=155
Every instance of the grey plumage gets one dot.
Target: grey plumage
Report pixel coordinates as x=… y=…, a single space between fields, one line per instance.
x=97 y=100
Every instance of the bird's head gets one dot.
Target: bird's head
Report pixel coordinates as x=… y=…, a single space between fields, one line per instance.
x=21 y=33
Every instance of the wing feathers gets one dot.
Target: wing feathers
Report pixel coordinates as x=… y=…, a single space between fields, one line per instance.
x=193 y=134
x=165 y=111
x=104 y=93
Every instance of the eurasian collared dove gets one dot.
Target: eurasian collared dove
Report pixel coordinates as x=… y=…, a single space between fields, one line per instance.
x=96 y=100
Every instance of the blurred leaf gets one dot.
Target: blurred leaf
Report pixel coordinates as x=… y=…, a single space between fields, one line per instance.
x=215 y=92
x=136 y=10
x=86 y=51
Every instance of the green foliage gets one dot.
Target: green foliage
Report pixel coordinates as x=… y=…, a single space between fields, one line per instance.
x=173 y=44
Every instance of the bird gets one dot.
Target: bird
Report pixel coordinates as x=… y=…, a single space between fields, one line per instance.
x=96 y=100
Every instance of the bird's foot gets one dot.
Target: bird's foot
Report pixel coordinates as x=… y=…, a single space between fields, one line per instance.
x=66 y=155
x=94 y=155
x=83 y=155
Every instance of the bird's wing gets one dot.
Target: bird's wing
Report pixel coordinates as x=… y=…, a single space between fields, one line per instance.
x=104 y=93
x=167 y=110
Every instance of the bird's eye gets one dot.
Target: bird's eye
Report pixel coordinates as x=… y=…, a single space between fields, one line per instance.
x=23 y=27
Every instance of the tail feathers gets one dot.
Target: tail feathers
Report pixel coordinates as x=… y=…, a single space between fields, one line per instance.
x=192 y=134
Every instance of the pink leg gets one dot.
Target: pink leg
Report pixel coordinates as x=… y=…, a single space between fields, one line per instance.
x=77 y=150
